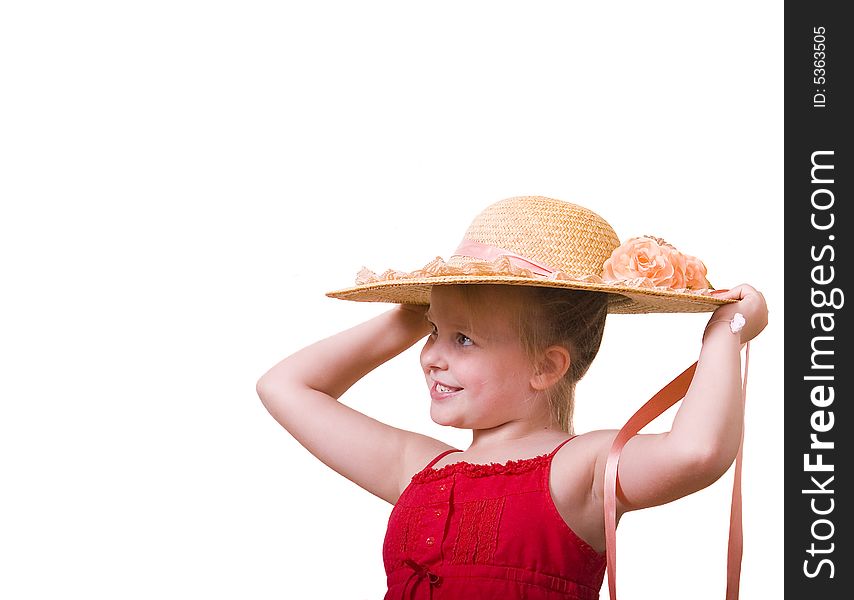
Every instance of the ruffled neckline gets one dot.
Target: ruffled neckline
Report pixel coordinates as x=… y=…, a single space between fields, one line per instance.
x=511 y=467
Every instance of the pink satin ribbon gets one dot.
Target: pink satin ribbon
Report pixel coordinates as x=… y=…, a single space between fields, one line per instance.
x=664 y=399
x=491 y=253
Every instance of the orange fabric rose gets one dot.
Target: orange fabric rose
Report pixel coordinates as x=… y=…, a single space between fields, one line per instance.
x=651 y=262
x=695 y=274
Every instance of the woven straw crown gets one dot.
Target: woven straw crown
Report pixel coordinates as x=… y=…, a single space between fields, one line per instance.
x=562 y=235
x=554 y=235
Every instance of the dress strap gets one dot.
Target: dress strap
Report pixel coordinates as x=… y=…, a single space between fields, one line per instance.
x=559 y=446
x=440 y=457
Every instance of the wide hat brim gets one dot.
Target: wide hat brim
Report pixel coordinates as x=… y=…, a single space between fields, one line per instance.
x=623 y=299
x=544 y=242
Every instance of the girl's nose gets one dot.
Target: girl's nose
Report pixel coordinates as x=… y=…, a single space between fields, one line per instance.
x=432 y=356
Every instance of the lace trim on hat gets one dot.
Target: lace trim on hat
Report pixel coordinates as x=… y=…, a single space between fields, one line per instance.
x=502 y=266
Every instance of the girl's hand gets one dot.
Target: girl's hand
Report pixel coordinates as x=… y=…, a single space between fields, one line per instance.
x=751 y=304
x=418 y=309
x=415 y=316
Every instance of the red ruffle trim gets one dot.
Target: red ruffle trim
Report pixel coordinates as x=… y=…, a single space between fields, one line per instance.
x=511 y=467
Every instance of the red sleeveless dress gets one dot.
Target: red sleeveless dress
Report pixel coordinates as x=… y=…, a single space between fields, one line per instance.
x=468 y=531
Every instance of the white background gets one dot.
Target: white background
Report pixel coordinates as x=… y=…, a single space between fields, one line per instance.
x=181 y=182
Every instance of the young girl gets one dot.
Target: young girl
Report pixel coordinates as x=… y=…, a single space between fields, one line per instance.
x=513 y=321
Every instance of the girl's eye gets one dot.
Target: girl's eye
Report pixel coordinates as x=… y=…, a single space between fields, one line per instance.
x=464 y=340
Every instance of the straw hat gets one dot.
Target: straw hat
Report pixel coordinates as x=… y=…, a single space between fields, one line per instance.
x=538 y=241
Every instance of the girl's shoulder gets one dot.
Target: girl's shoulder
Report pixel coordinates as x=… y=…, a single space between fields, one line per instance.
x=583 y=456
x=420 y=452
x=594 y=441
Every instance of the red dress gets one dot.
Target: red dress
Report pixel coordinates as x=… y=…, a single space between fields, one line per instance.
x=468 y=531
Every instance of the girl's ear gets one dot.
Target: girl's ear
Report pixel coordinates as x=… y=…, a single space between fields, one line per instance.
x=553 y=365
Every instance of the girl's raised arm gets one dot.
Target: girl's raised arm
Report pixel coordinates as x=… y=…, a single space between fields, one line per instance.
x=706 y=433
x=301 y=392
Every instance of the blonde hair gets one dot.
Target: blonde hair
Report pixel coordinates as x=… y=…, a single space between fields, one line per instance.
x=547 y=317
x=570 y=318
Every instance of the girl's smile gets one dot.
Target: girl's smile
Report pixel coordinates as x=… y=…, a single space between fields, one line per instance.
x=440 y=391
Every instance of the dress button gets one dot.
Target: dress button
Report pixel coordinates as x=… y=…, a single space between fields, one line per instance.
x=430 y=540
x=442 y=488
x=437 y=512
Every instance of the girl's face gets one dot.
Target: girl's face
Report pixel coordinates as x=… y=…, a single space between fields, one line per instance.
x=477 y=370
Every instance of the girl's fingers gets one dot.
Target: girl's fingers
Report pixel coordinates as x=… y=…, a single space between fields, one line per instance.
x=734 y=293
x=419 y=309
x=739 y=292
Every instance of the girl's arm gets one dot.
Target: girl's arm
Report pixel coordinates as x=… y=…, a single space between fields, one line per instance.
x=706 y=433
x=301 y=392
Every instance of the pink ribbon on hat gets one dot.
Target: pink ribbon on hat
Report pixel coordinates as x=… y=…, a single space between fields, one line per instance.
x=474 y=249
